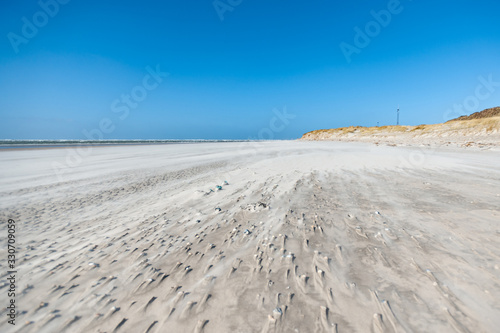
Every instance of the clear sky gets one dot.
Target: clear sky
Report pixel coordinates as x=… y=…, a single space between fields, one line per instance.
x=240 y=69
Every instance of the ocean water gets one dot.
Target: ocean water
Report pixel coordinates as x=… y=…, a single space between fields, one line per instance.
x=32 y=144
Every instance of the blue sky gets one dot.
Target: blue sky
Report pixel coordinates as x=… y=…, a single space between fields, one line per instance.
x=240 y=69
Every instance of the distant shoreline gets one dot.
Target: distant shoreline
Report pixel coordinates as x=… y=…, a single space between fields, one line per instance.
x=50 y=144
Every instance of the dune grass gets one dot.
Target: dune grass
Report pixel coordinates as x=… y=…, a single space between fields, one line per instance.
x=463 y=127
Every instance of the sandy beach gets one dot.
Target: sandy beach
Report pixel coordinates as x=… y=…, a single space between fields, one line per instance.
x=288 y=236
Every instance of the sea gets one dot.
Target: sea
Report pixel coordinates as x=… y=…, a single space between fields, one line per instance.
x=33 y=144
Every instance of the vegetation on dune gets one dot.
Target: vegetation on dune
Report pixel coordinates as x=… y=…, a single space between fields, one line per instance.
x=487 y=113
x=480 y=122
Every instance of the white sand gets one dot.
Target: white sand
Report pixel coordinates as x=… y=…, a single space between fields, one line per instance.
x=341 y=237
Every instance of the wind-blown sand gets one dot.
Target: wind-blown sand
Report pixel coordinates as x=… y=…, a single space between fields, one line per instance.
x=305 y=237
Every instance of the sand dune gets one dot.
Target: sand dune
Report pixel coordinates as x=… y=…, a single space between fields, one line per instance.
x=480 y=132
x=298 y=237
